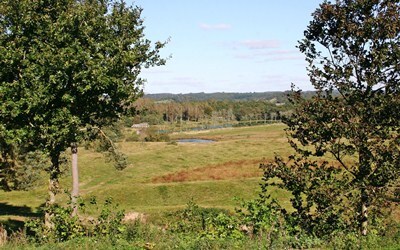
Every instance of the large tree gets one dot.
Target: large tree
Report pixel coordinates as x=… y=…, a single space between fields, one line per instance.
x=347 y=136
x=67 y=66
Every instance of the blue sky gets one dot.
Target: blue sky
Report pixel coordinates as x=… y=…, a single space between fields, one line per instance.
x=227 y=45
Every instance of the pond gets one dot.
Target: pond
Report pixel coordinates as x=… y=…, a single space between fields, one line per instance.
x=194 y=140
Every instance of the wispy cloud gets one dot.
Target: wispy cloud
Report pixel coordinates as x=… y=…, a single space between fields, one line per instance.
x=255 y=45
x=175 y=84
x=186 y=79
x=260 y=44
x=279 y=52
x=272 y=55
x=283 y=81
x=219 y=26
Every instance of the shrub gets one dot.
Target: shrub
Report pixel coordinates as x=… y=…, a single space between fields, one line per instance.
x=152 y=135
x=211 y=223
x=109 y=223
x=66 y=227
x=133 y=137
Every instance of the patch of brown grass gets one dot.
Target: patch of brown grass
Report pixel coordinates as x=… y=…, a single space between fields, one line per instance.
x=241 y=169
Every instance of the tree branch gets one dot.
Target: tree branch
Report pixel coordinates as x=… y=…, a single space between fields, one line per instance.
x=107 y=138
x=337 y=157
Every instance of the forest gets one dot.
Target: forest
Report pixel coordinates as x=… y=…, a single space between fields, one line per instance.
x=168 y=110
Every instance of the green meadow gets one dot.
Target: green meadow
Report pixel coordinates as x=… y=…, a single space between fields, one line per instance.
x=161 y=180
x=164 y=176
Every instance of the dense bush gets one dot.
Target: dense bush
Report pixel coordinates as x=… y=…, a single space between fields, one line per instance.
x=66 y=227
x=257 y=224
x=152 y=135
x=206 y=222
x=23 y=171
x=132 y=137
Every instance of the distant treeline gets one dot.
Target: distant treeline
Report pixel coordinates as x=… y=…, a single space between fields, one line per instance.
x=279 y=96
x=156 y=112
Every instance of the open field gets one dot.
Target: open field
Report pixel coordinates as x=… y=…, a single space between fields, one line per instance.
x=165 y=176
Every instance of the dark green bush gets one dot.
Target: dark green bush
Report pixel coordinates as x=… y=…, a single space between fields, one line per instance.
x=152 y=135
x=133 y=137
x=211 y=223
x=66 y=227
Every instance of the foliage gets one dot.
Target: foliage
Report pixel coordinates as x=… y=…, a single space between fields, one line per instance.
x=64 y=227
x=194 y=227
x=22 y=170
x=353 y=49
x=221 y=96
x=66 y=65
x=257 y=219
x=108 y=224
x=223 y=226
x=190 y=219
x=207 y=223
x=265 y=221
x=154 y=112
x=320 y=195
x=261 y=217
x=147 y=237
x=152 y=135
x=132 y=137
x=104 y=141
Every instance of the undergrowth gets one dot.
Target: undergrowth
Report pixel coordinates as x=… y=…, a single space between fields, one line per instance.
x=256 y=224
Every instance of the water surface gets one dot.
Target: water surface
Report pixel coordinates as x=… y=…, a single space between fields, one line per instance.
x=194 y=140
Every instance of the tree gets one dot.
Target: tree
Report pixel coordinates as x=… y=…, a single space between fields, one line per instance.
x=68 y=66
x=19 y=168
x=346 y=137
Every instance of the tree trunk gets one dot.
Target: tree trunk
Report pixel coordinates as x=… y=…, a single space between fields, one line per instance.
x=364 y=172
x=364 y=212
x=52 y=189
x=75 y=179
x=3 y=236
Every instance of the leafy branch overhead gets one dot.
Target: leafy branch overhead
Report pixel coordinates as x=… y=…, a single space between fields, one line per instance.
x=104 y=140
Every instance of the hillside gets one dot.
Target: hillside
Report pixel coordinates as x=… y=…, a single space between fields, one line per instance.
x=280 y=96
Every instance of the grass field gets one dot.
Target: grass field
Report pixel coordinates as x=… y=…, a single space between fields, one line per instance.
x=165 y=176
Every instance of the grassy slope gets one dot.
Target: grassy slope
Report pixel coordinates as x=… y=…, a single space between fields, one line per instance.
x=164 y=176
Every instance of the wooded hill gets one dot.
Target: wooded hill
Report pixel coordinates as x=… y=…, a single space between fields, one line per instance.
x=279 y=96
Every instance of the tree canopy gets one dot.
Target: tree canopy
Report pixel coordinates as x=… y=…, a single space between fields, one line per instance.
x=66 y=65
x=347 y=146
